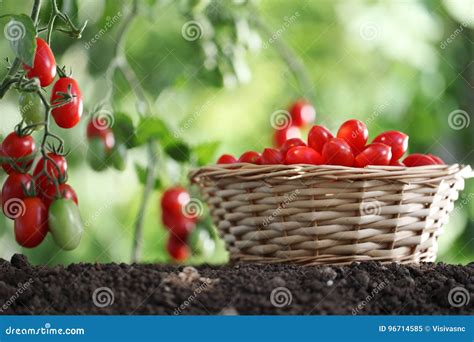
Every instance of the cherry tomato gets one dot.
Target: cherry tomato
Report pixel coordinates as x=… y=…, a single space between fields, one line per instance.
x=31 y=227
x=65 y=223
x=317 y=137
x=65 y=191
x=118 y=157
x=398 y=141
x=69 y=114
x=396 y=163
x=226 y=159
x=179 y=226
x=15 y=146
x=418 y=159
x=251 y=157
x=5 y=166
x=355 y=133
x=174 y=201
x=95 y=129
x=337 y=152
x=177 y=249
x=303 y=155
x=44 y=65
x=42 y=181
x=13 y=193
x=31 y=109
x=374 y=154
x=271 y=156
x=302 y=113
x=97 y=155
x=437 y=159
x=282 y=135
x=290 y=143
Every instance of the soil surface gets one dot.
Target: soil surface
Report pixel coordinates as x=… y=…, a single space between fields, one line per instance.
x=360 y=288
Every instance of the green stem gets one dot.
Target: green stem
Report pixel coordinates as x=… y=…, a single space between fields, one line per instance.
x=6 y=84
x=147 y=190
x=292 y=60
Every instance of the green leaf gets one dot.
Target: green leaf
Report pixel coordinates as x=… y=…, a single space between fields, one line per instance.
x=20 y=32
x=123 y=130
x=152 y=128
x=178 y=150
x=205 y=153
x=142 y=174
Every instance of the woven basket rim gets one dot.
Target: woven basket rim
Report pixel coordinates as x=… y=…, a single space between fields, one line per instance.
x=246 y=171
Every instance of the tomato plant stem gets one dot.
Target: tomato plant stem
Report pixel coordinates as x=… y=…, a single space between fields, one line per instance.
x=148 y=188
x=294 y=63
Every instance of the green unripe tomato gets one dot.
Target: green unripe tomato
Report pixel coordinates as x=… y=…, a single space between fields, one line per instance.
x=97 y=154
x=118 y=157
x=31 y=109
x=201 y=243
x=65 y=223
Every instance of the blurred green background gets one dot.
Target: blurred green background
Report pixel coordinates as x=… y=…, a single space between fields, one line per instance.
x=402 y=65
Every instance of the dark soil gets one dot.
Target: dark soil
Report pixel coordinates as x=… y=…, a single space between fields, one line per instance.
x=361 y=288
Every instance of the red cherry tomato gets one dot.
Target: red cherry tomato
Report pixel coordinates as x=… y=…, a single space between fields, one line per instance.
x=13 y=193
x=282 y=135
x=69 y=114
x=65 y=191
x=302 y=113
x=396 y=163
x=437 y=159
x=418 y=159
x=355 y=133
x=177 y=249
x=290 y=143
x=374 y=154
x=31 y=227
x=174 y=201
x=226 y=159
x=250 y=157
x=317 y=137
x=15 y=146
x=96 y=130
x=42 y=181
x=337 y=152
x=271 y=156
x=398 y=141
x=303 y=155
x=180 y=226
x=44 y=65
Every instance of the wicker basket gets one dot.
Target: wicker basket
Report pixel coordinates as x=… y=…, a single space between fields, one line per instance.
x=330 y=214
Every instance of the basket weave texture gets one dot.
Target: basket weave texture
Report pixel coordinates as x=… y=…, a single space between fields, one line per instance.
x=310 y=214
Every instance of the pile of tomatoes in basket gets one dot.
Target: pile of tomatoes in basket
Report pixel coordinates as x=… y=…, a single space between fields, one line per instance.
x=41 y=201
x=348 y=147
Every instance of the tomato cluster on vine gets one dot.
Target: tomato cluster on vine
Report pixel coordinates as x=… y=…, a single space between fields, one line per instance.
x=104 y=149
x=180 y=218
x=349 y=147
x=42 y=201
